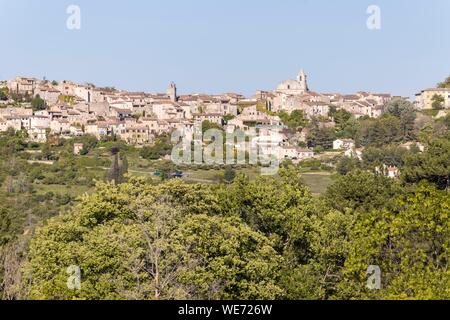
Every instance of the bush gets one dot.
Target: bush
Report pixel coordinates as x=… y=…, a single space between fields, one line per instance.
x=309 y=163
x=38 y=104
x=319 y=149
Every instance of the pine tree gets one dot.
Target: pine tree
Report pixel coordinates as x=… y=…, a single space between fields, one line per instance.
x=114 y=172
x=123 y=167
x=230 y=174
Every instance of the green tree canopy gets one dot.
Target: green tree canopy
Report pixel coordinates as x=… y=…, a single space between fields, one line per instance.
x=361 y=190
x=161 y=147
x=295 y=120
x=207 y=125
x=4 y=93
x=445 y=84
x=433 y=165
x=320 y=137
x=438 y=102
x=136 y=241
x=410 y=242
x=38 y=103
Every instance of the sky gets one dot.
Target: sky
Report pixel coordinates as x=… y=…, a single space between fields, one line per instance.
x=216 y=46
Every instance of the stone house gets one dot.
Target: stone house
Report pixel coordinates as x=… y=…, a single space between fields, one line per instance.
x=60 y=127
x=37 y=134
x=343 y=144
x=424 y=99
x=77 y=147
x=137 y=134
x=23 y=85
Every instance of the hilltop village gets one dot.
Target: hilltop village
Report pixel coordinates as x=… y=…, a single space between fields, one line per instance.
x=67 y=109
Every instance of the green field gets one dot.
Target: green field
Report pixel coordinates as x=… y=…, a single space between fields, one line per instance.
x=73 y=191
x=97 y=164
x=213 y=175
x=318 y=182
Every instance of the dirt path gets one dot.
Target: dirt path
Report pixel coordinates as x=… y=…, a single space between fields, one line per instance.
x=326 y=174
x=40 y=162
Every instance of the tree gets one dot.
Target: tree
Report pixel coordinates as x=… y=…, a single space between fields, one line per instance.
x=360 y=190
x=350 y=129
x=10 y=225
x=346 y=165
x=438 y=102
x=341 y=118
x=320 y=137
x=4 y=94
x=114 y=173
x=38 y=104
x=123 y=166
x=165 y=169
x=405 y=111
x=230 y=261
x=160 y=148
x=228 y=117
x=12 y=257
x=296 y=120
x=433 y=165
x=208 y=125
x=161 y=259
x=320 y=277
x=135 y=240
x=446 y=121
x=332 y=112
x=388 y=155
x=229 y=174
x=398 y=106
x=378 y=132
x=445 y=84
x=279 y=208
x=409 y=242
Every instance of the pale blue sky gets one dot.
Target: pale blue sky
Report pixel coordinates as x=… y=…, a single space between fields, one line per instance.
x=218 y=46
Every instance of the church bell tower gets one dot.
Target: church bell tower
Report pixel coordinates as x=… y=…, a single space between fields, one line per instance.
x=302 y=79
x=172 y=92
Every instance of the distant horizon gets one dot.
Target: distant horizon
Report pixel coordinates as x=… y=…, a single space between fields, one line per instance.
x=229 y=46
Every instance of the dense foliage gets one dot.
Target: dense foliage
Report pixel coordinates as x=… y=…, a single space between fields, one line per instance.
x=262 y=239
x=135 y=237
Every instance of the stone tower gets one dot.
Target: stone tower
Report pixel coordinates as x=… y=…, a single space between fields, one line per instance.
x=302 y=79
x=172 y=92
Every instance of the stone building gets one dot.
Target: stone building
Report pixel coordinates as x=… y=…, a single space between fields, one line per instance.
x=294 y=87
x=424 y=99
x=172 y=92
x=77 y=147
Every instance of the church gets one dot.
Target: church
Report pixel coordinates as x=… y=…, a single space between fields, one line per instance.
x=294 y=87
x=293 y=95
